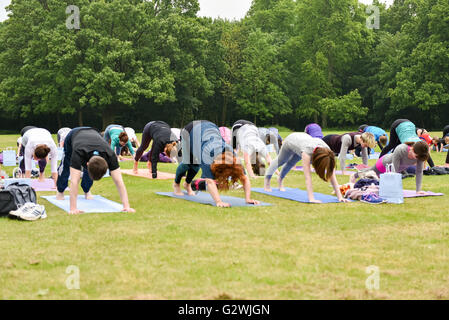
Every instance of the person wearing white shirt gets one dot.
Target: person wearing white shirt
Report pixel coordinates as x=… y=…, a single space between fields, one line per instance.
x=37 y=144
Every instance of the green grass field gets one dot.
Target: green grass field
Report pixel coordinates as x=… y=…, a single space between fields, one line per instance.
x=173 y=249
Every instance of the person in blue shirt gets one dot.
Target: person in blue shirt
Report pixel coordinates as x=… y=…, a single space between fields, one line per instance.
x=204 y=148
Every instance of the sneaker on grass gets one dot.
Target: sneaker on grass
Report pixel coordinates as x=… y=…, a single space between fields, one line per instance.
x=372 y=198
x=38 y=212
x=25 y=207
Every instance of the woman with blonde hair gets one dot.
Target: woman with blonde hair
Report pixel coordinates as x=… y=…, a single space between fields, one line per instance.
x=312 y=151
x=341 y=144
x=204 y=148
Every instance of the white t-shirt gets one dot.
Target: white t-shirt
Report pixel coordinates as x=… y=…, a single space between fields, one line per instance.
x=63 y=132
x=249 y=141
x=34 y=137
x=131 y=134
x=176 y=132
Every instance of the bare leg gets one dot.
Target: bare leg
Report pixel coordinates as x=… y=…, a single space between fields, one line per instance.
x=267 y=186
x=59 y=195
x=188 y=188
x=177 y=189
x=281 y=184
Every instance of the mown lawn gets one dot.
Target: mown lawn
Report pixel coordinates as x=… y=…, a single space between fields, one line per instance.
x=171 y=249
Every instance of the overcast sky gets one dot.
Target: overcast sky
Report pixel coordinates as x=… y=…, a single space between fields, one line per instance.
x=230 y=9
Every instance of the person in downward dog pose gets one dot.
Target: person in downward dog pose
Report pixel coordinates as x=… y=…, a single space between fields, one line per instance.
x=163 y=141
x=404 y=131
x=85 y=150
x=37 y=144
x=204 y=148
x=62 y=133
x=402 y=157
x=380 y=135
x=270 y=137
x=132 y=137
x=349 y=141
x=117 y=137
x=313 y=152
x=253 y=148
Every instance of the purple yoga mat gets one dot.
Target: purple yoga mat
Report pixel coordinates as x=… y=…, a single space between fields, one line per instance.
x=412 y=194
x=47 y=185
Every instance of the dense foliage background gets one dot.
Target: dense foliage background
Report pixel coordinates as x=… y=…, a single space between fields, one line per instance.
x=287 y=62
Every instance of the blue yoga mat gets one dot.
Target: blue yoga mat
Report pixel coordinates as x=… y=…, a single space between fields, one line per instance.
x=98 y=204
x=206 y=198
x=297 y=195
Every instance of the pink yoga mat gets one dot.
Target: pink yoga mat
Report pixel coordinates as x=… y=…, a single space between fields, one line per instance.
x=144 y=173
x=300 y=168
x=47 y=185
x=412 y=194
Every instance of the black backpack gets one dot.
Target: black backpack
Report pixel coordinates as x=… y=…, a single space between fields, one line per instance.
x=15 y=195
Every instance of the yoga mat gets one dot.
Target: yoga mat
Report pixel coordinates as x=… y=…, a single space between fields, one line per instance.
x=144 y=173
x=338 y=172
x=297 y=195
x=47 y=185
x=206 y=198
x=412 y=194
x=98 y=204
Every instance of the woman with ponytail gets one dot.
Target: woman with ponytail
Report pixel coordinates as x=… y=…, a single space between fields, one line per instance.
x=163 y=141
x=312 y=151
x=37 y=144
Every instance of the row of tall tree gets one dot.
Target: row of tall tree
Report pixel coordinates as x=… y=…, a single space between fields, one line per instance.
x=287 y=63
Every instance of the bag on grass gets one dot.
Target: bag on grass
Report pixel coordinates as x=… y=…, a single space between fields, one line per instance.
x=390 y=186
x=14 y=196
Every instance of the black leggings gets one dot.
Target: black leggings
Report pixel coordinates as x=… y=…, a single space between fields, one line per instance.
x=394 y=141
x=394 y=138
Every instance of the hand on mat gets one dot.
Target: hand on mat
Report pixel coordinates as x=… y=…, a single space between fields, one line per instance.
x=75 y=211
x=223 y=205
x=128 y=210
x=315 y=201
x=136 y=171
x=421 y=192
x=255 y=202
x=343 y=200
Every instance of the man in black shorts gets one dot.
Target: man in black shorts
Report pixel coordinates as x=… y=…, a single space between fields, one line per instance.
x=85 y=149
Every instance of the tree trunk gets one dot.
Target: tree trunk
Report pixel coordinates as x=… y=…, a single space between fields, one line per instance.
x=80 y=118
x=58 y=117
x=108 y=117
x=324 y=119
x=224 y=111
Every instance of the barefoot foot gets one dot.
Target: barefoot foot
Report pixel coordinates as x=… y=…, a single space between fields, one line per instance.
x=88 y=196
x=177 y=189
x=59 y=196
x=188 y=188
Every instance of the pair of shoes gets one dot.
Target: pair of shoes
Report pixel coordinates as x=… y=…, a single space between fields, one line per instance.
x=30 y=211
x=372 y=198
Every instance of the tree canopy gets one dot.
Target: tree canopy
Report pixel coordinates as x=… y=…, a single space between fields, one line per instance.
x=287 y=62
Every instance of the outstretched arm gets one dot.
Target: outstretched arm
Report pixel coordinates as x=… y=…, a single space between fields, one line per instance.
x=212 y=188
x=248 y=166
x=308 y=177
x=247 y=188
x=117 y=177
